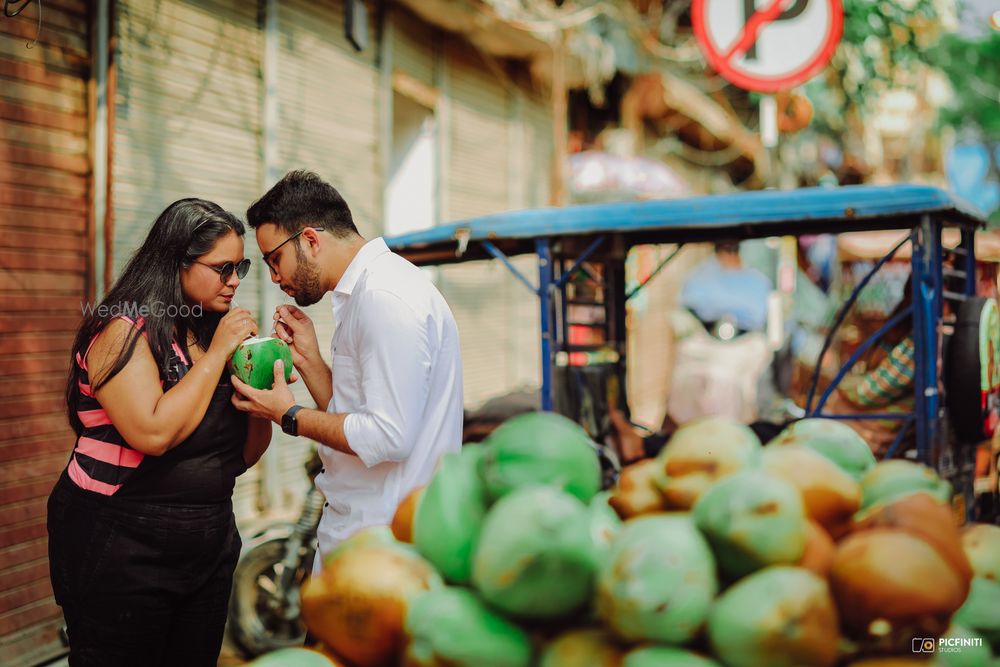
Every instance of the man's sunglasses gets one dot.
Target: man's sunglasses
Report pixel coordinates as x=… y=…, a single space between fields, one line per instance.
x=270 y=253
x=226 y=270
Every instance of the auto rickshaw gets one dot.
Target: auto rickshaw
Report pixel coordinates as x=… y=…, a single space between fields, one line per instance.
x=581 y=253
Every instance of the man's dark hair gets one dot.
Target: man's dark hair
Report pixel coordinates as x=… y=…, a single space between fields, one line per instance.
x=303 y=199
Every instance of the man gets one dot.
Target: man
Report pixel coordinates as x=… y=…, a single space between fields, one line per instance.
x=721 y=287
x=719 y=373
x=392 y=405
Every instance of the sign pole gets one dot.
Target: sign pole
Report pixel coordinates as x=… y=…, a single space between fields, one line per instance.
x=769 y=135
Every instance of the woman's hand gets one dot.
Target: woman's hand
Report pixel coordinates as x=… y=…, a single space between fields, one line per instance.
x=296 y=328
x=234 y=328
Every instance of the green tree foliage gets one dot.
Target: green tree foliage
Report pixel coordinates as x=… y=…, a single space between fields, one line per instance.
x=884 y=42
x=973 y=67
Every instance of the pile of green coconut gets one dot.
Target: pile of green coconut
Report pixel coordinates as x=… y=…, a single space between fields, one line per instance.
x=720 y=551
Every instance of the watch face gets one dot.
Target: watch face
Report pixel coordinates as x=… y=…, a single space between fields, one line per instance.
x=288 y=424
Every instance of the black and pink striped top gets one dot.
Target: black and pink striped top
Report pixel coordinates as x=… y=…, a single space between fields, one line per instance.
x=102 y=460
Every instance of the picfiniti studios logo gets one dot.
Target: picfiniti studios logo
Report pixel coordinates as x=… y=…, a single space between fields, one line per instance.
x=944 y=644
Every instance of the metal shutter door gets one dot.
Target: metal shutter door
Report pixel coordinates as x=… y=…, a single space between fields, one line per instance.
x=187 y=124
x=44 y=208
x=328 y=123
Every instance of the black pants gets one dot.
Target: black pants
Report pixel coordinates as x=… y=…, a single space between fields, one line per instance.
x=140 y=584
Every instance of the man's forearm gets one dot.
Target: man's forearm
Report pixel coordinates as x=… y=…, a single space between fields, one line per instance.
x=319 y=382
x=326 y=429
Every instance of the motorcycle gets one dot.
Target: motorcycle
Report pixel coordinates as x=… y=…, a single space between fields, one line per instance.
x=264 y=607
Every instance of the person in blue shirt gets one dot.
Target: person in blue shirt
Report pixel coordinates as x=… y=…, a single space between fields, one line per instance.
x=722 y=288
x=721 y=293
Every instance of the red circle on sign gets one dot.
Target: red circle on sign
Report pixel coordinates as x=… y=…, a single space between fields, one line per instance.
x=760 y=84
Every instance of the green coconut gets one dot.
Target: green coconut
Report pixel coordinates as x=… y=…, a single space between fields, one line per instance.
x=702 y=452
x=782 y=616
x=451 y=627
x=890 y=480
x=541 y=448
x=658 y=581
x=450 y=515
x=833 y=439
x=536 y=557
x=666 y=656
x=981 y=611
x=253 y=361
x=366 y=537
x=981 y=543
x=604 y=524
x=293 y=657
x=753 y=519
x=589 y=647
x=964 y=648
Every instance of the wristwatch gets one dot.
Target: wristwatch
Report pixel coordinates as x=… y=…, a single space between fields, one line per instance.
x=289 y=424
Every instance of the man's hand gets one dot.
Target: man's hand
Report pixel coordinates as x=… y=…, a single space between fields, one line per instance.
x=296 y=328
x=269 y=404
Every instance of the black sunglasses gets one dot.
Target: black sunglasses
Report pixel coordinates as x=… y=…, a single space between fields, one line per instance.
x=270 y=253
x=226 y=270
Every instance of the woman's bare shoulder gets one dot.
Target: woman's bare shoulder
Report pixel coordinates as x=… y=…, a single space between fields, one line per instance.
x=110 y=342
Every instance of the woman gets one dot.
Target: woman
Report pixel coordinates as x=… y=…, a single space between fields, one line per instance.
x=142 y=538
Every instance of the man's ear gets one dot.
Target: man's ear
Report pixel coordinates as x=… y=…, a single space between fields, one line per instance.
x=313 y=238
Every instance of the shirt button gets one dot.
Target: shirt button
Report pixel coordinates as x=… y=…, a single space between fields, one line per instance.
x=323 y=471
x=326 y=504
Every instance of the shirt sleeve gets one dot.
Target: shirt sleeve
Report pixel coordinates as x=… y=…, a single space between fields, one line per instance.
x=889 y=380
x=395 y=362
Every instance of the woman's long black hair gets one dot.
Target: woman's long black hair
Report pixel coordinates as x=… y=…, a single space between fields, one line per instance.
x=185 y=231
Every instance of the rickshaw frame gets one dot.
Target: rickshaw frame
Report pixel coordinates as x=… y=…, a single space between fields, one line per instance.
x=610 y=230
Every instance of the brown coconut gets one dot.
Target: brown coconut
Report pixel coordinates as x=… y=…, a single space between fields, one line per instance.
x=637 y=492
x=831 y=496
x=818 y=556
x=701 y=453
x=924 y=516
x=402 y=521
x=357 y=604
x=893 y=577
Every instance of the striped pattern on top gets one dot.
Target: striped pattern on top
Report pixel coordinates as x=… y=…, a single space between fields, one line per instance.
x=102 y=460
x=890 y=381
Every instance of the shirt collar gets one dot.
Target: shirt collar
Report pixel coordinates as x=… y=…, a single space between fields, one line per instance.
x=369 y=251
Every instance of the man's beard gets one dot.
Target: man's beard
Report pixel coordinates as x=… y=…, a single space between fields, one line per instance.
x=306 y=280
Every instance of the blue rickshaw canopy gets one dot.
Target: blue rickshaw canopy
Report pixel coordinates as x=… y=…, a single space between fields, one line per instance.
x=739 y=215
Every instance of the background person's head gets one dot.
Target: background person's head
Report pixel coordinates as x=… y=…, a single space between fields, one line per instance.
x=182 y=278
x=727 y=252
x=307 y=234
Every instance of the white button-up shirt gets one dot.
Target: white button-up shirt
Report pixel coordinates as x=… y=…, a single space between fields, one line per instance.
x=397 y=373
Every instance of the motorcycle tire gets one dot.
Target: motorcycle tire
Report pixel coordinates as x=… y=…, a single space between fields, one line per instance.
x=256 y=623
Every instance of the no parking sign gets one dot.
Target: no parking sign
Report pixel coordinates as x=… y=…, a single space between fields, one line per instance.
x=767 y=45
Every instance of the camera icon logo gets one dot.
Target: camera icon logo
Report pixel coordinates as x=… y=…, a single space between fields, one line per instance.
x=922 y=645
